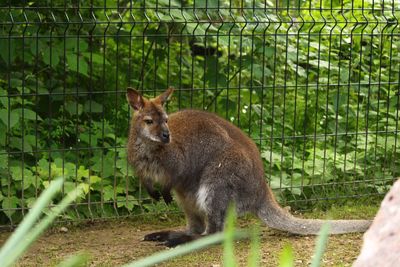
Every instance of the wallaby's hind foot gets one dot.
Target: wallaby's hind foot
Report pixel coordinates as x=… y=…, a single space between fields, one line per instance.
x=169 y=238
x=160 y=236
x=178 y=238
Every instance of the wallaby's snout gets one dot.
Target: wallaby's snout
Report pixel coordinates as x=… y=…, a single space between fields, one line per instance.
x=165 y=137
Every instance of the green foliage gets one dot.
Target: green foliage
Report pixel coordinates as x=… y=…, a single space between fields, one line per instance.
x=316 y=88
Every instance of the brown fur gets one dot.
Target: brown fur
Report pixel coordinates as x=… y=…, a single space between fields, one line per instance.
x=209 y=163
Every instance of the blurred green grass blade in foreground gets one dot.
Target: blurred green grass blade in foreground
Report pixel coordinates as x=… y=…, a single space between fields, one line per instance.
x=27 y=231
x=320 y=246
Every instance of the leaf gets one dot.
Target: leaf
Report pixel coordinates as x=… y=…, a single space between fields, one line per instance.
x=3 y=99
x=94 y=179
x=127 y=201
x=9 y=205
x=92 y=107
x=52 y=58
x=14 y=117
x=108 y=193
x=73 y=108
x=69 y=186
x=16 y=173
x=272 y=157
x=71 y=44
x=122 y=165
x=30 y=179
x=105 y=166
x=82 y=173
x=20 y=144
x=3 y=161
x=77 y=64
x=27 y=114
x=8 y=50
x=96 y=58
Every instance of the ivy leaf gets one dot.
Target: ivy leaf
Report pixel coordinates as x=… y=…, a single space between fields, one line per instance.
x=52 y=58
x=77 y=63
x=27 y=114
x=30 y=179
x=14 y=117
x=96 y=58
x=100 y=165
x=128 y=202
x=72 y=45
x=16 y=173
x=108 y=193
x=94 y=179
x=82 y=173
x=69 y=186
x=8 y=50
x=93 y=107
x=73 y=108
x=9 y=205
x=16 y=142
x=3 y=161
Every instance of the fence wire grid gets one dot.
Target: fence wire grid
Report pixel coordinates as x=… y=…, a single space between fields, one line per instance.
x=315 y=84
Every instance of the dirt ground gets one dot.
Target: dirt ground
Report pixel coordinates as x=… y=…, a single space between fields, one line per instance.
x=116 y=242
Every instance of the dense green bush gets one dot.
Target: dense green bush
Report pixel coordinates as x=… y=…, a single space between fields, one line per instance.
x=317 y=88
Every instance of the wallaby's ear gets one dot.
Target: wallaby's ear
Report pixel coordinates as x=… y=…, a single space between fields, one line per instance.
x=164 y=97
x=135 y=99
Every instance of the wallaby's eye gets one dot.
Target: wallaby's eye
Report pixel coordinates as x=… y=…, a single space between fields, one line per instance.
x=148 y=122
x=166 y=120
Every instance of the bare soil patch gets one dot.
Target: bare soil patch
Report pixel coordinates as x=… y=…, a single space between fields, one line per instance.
x=116 y=242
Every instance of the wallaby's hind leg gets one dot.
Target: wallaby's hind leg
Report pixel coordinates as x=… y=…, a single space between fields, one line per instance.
x=216 y=221
x=195 y=227
x=195 y=220
x=216 y=212
x=214 y=205
x=223 y=184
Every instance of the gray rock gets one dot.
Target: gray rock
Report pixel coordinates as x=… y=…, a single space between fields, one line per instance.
x=382 y=241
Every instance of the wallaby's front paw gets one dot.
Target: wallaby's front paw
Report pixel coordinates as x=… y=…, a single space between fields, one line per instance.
x=155 y=195
x=167 y=197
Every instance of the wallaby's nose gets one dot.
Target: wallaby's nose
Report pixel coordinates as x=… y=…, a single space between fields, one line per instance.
x=165 y=137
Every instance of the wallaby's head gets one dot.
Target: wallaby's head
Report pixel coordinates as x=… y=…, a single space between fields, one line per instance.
x=150 y=119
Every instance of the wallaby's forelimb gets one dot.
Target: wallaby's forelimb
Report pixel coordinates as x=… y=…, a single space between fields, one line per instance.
x=148 y=185
x=165 y=192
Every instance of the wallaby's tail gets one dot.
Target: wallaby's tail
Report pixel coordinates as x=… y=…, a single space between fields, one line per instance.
x=277 y=218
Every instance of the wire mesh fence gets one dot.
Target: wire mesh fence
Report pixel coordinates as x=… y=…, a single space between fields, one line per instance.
x=314 y=83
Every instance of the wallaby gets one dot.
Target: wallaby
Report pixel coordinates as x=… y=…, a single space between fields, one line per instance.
x=209 y=163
